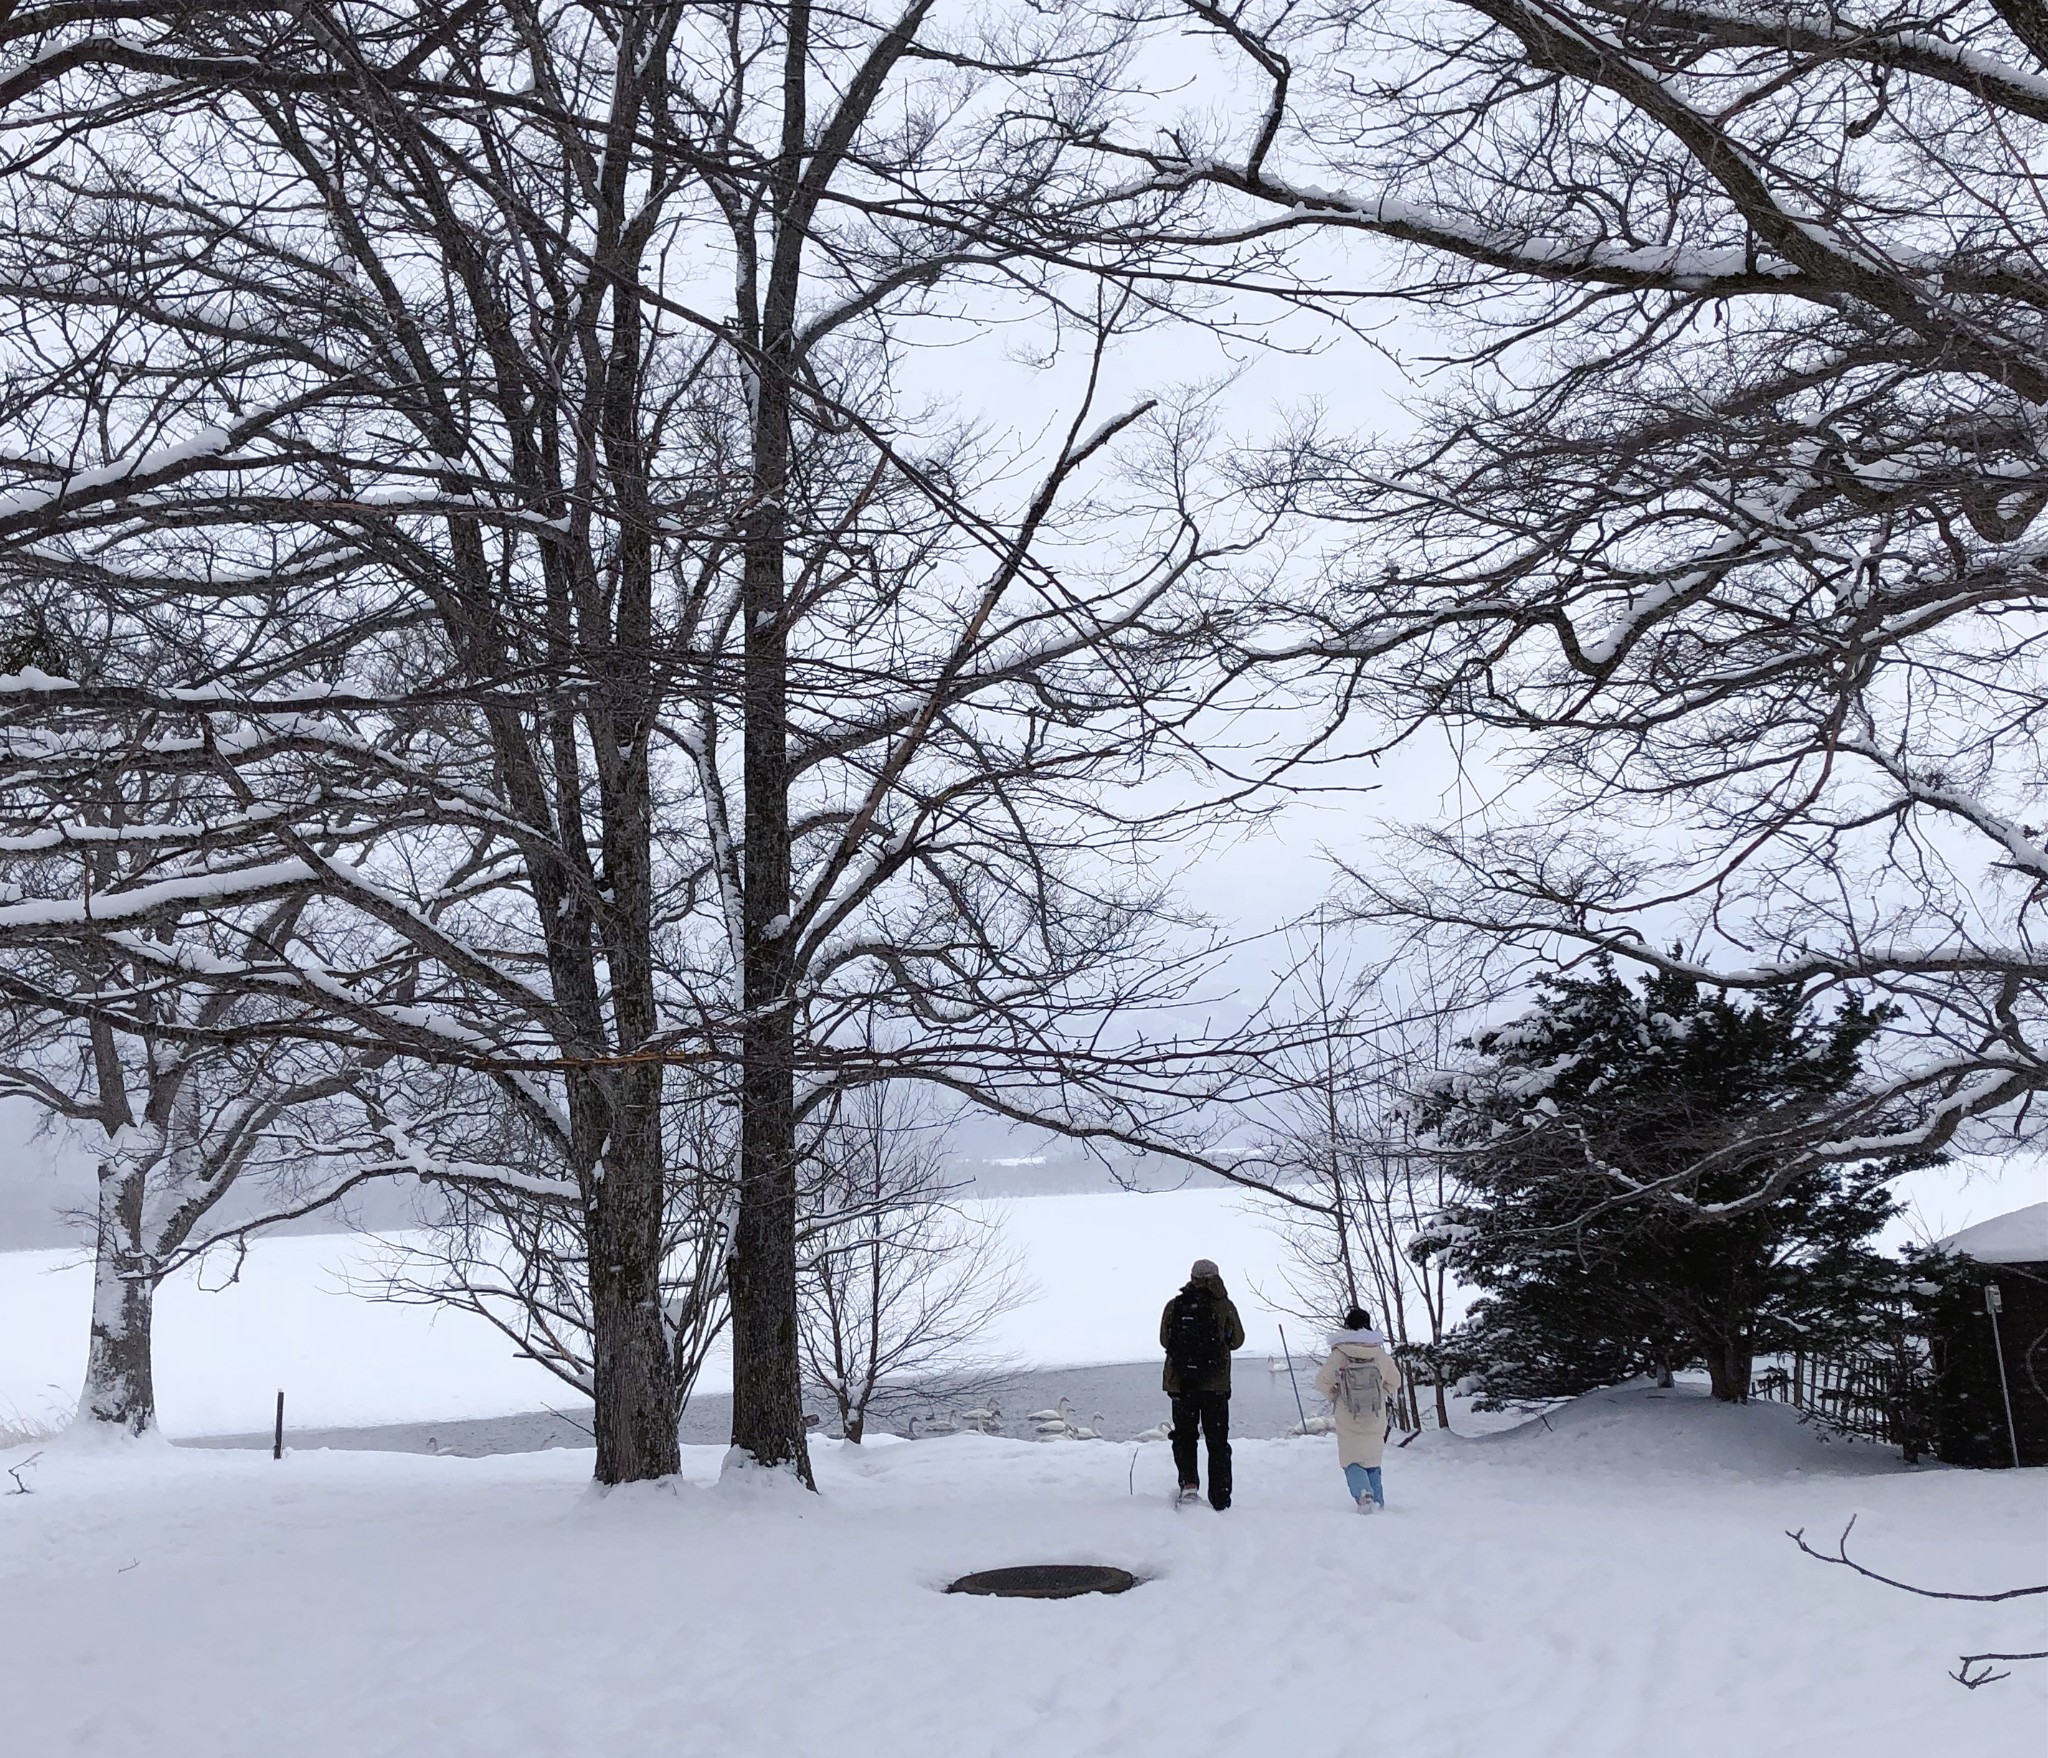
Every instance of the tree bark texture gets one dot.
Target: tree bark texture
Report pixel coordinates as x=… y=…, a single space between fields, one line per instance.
x=633 y=1385
x=120 y=1377
x=768 y=1418
x=767 y=1405
x=1729 y=1362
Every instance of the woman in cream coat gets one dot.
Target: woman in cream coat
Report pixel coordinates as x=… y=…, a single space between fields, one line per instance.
x=1358 y=1356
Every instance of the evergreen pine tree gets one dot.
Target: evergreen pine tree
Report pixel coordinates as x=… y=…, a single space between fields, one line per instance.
x=1590 y=1216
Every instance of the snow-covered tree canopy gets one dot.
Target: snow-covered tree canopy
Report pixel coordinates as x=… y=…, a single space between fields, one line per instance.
x=1607 y=1148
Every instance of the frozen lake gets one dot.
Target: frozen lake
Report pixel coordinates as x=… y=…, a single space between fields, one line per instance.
x=303 y=1314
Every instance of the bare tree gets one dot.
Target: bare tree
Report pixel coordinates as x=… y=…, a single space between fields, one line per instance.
x=899 y=1284
x=184 y=1125
x=320 y=428
x=511 y=1252
x=1725 y=535
x=500 y=407
x=1362 y=1191
x=175 y=1128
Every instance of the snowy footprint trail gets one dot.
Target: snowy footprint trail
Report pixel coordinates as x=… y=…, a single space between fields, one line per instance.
x=1616 y=1583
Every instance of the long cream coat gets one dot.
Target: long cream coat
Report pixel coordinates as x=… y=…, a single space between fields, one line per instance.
x=1360 y=1441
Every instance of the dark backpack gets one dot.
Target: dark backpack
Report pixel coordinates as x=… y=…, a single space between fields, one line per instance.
x=1194 y=1338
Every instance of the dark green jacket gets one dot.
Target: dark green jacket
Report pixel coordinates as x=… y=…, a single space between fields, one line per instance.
x=1233 y=1338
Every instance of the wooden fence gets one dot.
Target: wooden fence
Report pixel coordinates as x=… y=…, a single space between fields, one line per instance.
x=1868 y=1394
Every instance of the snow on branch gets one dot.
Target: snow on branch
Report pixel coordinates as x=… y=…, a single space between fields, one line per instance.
x=143 y=470
x=36 y=918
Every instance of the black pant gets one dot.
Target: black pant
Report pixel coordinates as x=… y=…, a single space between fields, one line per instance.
x=1208 y=1412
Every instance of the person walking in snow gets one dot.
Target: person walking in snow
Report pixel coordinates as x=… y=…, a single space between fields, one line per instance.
x=1198 y=1330
x=1360 y=1378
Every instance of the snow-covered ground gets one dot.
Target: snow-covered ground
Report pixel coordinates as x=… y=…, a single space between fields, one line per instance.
x=295 y=1317
x=1613 y=1579
x=1614 y=1582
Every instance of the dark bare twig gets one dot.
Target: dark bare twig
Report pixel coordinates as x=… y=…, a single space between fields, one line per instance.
x=1971 y=1669
x=14 y=1471
x=1841 y=1556
x=1970 y=1681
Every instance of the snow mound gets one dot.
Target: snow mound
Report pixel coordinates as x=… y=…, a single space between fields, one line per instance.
x=744 y=1479
x=106 y=1440
x=1638 y=1428
x=2018 y=1238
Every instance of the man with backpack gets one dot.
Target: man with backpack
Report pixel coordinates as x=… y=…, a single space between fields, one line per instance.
x=1198 y=1330
x=1360 y=1378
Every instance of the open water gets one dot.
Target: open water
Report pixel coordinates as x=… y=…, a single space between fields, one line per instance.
x=1117 y=1401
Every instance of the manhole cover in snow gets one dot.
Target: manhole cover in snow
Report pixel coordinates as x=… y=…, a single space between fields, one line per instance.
x=1047 y=1581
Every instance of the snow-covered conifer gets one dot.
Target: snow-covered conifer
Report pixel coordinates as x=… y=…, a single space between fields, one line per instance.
x=1603 y=1145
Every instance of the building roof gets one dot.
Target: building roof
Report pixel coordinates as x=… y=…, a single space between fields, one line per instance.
x=2018 y=1238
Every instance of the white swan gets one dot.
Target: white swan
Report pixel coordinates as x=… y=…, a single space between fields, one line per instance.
x=1056 y=1424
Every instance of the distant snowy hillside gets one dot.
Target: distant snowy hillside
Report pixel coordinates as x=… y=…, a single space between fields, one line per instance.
x=296 y=1315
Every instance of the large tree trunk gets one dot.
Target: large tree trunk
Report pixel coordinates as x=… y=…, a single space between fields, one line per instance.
x=767 y=1401
x=767 y=1404
x=1729 y=1361
x=120 y=1375
x=633 y=1380
x=633 y=1373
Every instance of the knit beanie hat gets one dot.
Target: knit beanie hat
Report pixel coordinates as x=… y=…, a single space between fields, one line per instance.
x=1205 y=1270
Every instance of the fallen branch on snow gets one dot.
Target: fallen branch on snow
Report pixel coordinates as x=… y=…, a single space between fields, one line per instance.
x=1972 y=1670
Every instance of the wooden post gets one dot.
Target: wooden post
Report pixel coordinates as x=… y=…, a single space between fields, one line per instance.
x=1994 y=1304
x=277 y=1440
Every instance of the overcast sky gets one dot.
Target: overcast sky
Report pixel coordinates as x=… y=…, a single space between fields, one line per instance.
x=1247 y=884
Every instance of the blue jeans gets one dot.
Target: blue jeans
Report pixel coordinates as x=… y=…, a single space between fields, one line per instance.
x=1364 y=1480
